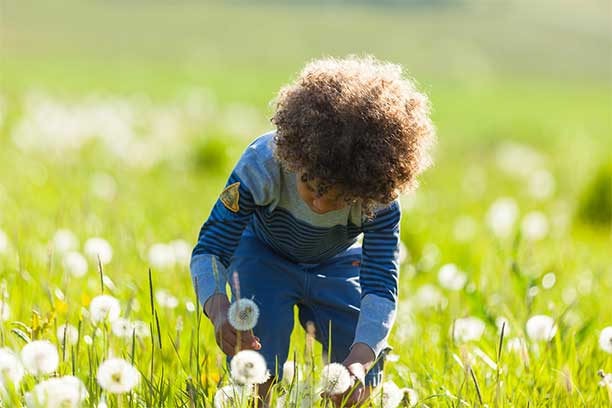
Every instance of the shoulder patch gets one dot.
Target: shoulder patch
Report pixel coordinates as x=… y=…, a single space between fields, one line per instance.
x=230 y=197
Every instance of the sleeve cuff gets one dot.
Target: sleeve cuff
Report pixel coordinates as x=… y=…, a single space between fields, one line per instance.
x=206 y=280
x=375 y=321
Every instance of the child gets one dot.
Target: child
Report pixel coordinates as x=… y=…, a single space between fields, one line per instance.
x=351 y=134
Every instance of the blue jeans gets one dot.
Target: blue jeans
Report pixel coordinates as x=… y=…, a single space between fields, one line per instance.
x=326 y=294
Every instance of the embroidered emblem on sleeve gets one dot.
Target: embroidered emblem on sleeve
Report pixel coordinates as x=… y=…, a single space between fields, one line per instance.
x=230 y=197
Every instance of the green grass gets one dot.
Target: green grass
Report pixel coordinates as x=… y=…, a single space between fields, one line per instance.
x=544 y=85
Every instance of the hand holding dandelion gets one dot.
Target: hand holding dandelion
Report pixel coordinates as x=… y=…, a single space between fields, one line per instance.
x=226 y=335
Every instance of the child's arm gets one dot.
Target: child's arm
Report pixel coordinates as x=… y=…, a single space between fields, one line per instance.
x=379 y=280
x=252 y=183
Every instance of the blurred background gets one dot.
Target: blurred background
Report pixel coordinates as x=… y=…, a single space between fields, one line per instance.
x=124 y=119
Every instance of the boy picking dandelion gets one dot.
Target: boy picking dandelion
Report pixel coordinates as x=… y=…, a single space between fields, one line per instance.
x=351 y=135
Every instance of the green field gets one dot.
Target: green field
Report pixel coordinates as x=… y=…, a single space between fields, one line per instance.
x=122 y=120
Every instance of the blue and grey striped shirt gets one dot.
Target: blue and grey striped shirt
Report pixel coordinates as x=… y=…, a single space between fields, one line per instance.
x=269 y=206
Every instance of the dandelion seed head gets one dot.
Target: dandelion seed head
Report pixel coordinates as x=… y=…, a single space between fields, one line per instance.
x=67 y=333
x=98 y=247
x=291 y=372
x=605 y=339
x=541 y=328
x=249 y=367
x=104 y=307
x=502 y=216
x=231 y=395
x=60 y=392
x=166 y=299
x=75 y=264
x=40 y=357
x=468 y=329
x=451 y=277
x=122 y=327
x=117 y=376
x=335 y=379
x=161 y=256
x=5 y=311
x=11 y=369
x=549 y=280
x=142 y=329
x=389 y=395
x=535 y=226
x=243 y=314
x=64 y=240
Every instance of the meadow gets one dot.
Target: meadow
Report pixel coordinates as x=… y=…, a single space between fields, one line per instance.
x=120 y=123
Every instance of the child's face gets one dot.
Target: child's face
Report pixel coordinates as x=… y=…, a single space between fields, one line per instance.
x=330 y=201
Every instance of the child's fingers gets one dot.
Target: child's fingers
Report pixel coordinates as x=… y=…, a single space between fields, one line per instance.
x=248 y=340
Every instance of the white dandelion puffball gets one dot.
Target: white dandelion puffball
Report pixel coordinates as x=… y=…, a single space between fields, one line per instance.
x=231 y=395
x=64 y=240
x=67 y=333
x=161 y=256
x=541 y=328
x=389 y=395
x=11 y=369
x=141 y=329
x=117 y=376
x=5 y=311
x=182 y=251
x=605 y=339
x=335 y=379
x=122 y=327
x=502 y=216
x=98 y=247
x=290 y=370
x=451 y=277
x=40 y=357
x=534 y=226
x=249 y=367
x=468 y=329
x=516 y=345
x=413 y=397
x=165 y=299
x=429 y=296
x=4 y=242
x=243 y=314
x=104 y=307
x=75 y=264
x=59 y=392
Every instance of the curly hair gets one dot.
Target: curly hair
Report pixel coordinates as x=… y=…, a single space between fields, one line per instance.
x=355 y=123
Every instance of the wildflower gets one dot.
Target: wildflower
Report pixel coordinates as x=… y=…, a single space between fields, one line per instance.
x=249 y=367
x=117 y=376
x=231 y=395
x=606 y=380
x=40 y=357
x=388 y=395
x=182 y=251
x=75 y=264
x=98 y=248
x=291 y=372
x=501 y=216
x=11 y=369
x=165 y=299
x=335 y=379
x=549 y=280
x=104 y=307
x=468 y=329
x=161 y=256
x=412 y=395
x=141 y=329
x=4 y=242
x=5 y=311
x=605 y=339
x=67 y=334
x=451 y=277
x=60 y=392
x=243 y=314
x=122 y=327
x=541 y=327
x=429 y=296
x=534 y=226
x=64 y=240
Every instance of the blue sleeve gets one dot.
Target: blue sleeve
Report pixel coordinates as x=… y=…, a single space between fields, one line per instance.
x=379 y=277
x=252 y=183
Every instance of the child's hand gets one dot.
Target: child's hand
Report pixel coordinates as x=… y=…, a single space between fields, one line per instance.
x=226 y=336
